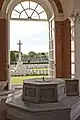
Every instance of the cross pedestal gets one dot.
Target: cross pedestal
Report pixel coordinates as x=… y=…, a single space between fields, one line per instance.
x=19 y=50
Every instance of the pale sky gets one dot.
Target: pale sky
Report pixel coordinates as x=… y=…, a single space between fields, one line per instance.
x=33 y=35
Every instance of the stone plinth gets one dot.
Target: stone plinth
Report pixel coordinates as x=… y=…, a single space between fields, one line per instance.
x=17 y=109
x=66 y=109
x=44 y=99
x=44 y=90
x=72 y=87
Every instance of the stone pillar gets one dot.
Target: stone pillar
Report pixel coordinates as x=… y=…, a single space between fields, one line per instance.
x=66 y=49
x=63 y=48
x=58 y=47
x=3 y=51
x=76 y=18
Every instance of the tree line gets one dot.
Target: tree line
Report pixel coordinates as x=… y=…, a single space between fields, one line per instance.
x=28 y=58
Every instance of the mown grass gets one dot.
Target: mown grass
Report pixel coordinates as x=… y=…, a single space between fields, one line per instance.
x=19 y=79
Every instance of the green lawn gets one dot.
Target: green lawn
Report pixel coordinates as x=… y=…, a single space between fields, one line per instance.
x=19 y=79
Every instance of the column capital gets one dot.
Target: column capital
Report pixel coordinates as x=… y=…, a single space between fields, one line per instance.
x=3 y=15
x=75 y=16
x=59 y=17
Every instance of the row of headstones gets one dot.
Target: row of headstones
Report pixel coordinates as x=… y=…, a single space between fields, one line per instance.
x=30 y=66
x=28 y=72
x=38 y=65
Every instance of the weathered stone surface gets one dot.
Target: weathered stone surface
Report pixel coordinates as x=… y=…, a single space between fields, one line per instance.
x=20 y=110
x=3 y=110
x=45 y=90
x=38 y=106
x=72 y=87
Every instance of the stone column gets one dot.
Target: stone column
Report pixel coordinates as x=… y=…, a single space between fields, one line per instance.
x=76 y=18
x=66 y=49
x=3 y=50
x=58 y=47
x=63 y=48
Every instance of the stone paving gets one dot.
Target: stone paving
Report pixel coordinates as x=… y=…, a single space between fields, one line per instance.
x=3 y=110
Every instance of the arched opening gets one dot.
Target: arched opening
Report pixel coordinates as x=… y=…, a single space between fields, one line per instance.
x=29 y=11
x=52 y=11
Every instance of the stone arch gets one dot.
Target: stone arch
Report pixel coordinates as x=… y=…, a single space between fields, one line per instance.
x=62 y=26
x=58 y=5
x=49 y=11
x=49 y=6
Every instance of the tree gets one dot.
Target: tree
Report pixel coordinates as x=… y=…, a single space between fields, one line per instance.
x=12 y=57
x=43 y=54
x=24 y=57
x=31 y=54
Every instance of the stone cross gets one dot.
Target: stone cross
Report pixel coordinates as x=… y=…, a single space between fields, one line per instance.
x=19 y=49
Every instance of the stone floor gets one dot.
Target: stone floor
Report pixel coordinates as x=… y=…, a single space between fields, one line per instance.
x=3 y=110
x=78 y=118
